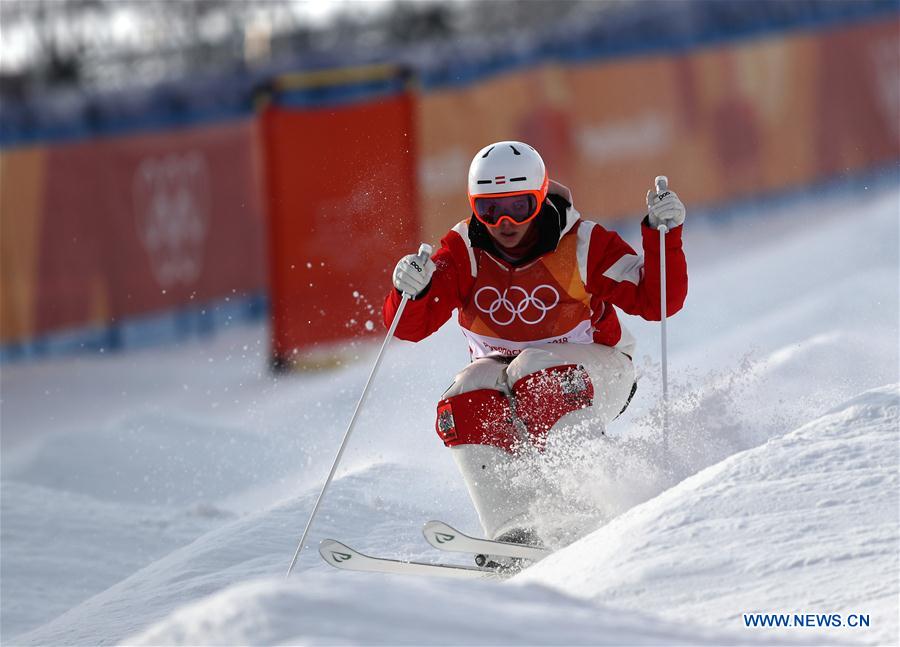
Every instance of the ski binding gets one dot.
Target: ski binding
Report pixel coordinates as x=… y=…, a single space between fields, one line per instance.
x=445 y=537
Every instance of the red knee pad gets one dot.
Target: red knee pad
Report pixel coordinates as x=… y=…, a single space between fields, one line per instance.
x=544 y=397
x=481 y=417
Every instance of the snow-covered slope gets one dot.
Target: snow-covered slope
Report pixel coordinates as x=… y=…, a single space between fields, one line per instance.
x=806 y=523
x=365 y=610
x=136 y=485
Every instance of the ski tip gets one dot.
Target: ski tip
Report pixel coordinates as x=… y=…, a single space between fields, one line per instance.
x=438 y=533
x=335 y=553
x=433 y=524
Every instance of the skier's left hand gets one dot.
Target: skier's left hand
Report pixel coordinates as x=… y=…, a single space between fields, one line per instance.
x=663 y=206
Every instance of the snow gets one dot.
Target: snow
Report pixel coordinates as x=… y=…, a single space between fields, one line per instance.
x=417 y=612
x=835 y=480
x=156 y=497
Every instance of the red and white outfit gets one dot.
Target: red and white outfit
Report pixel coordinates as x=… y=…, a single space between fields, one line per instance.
x=547 y=345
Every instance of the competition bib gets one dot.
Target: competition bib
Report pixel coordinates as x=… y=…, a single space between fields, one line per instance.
x=512 y=308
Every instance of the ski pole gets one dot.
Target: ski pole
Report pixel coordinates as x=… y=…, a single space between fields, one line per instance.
x=662 y=185
x=424 y=255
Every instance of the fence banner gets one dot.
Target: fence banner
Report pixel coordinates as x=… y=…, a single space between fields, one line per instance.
x=857 y=97
x=21 y=206
x=740 y=119
x=110 y=228
x=101 y=230
x=342 y=209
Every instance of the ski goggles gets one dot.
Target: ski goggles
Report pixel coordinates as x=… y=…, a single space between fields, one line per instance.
x=518 y=208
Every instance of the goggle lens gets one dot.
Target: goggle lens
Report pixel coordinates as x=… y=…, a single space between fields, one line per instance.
x=518 y=208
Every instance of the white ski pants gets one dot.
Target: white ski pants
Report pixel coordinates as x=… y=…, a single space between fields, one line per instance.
x=501 y=500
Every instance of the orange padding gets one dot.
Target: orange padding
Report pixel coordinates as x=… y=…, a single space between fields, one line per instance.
x=544 y=397
x=481 y=417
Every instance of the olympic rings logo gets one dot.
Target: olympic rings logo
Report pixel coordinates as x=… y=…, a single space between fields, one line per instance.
x=509 y=311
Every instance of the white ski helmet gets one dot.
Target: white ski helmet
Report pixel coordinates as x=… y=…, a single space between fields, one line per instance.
x=508 y=168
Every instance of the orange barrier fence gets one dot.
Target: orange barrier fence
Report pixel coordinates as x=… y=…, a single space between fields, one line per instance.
x=740 y=119
x=106 y=229
x=101 y=230
x=342 y=208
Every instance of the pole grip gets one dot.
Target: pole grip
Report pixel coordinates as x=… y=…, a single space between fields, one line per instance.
x=425 y=251
x=423 y=256
x=662 y=184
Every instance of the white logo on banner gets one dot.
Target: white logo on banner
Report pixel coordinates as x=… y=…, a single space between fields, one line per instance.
x=171 y=206
x=503 y=309
x=639 y=136
x=440 y=172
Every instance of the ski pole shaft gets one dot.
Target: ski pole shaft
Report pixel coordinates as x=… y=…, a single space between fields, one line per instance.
x=662 y=185
x=424 y=255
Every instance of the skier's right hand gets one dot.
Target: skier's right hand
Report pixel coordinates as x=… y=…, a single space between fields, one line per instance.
x=412 y=276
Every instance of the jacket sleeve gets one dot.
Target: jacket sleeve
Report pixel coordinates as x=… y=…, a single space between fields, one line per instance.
x=431 y=309
x=631 y=282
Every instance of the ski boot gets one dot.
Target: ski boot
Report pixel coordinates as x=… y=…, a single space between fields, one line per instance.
x=510 y=565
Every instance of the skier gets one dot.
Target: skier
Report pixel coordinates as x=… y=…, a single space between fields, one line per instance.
x=534 y=285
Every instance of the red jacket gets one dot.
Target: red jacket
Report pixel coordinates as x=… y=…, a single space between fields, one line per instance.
x=564 y=295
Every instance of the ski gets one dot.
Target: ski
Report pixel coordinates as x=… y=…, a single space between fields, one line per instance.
x=342 y=556
x=444 y=537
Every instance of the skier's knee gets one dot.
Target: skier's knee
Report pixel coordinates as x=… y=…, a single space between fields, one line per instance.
x=610 y=373
x=480 y=417
x=532 y=360
x=545 y=396
x=483 y=373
